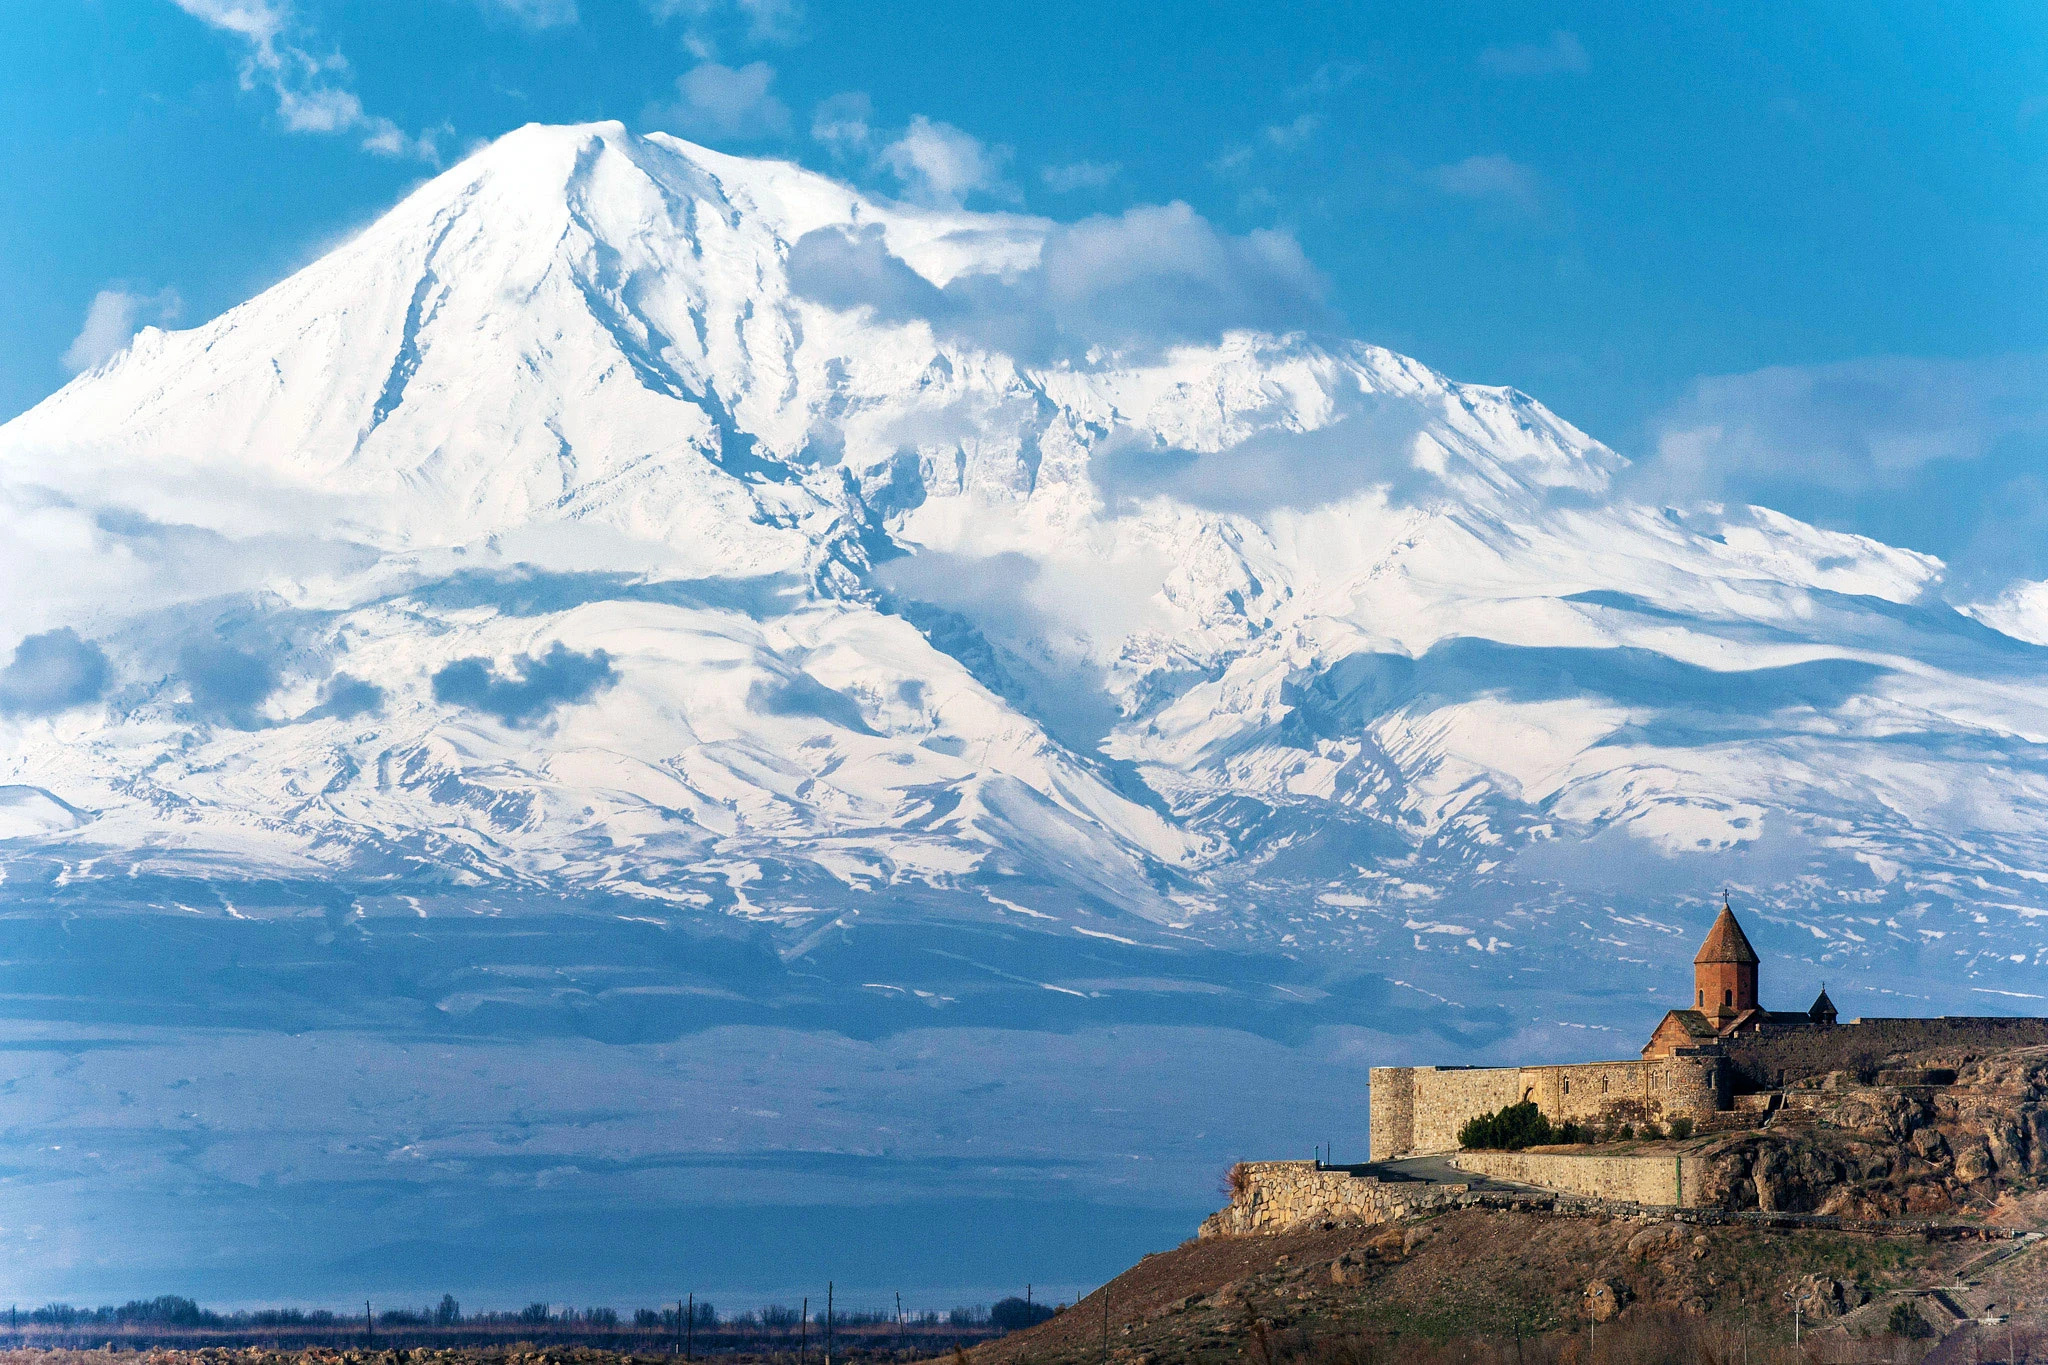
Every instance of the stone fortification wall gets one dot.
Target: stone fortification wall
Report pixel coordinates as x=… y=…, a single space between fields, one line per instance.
x=1766 y=1061
x=1667 y=1179
x=1445 y=1097
x=1425 y=1106
x=1392 y=1111
x=1629 y=1092
x=1280 y=1196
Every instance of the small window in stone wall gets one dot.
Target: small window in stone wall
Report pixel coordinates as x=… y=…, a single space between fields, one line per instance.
x=1603 y=1085
x=1567 y=1085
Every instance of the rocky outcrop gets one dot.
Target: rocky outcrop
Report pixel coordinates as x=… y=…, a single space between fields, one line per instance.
x=1894 y=1151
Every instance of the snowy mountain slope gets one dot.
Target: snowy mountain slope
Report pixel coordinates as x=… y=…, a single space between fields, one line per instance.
x=558 y=535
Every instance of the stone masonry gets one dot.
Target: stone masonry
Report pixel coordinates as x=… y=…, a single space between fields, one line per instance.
x=1282 y=1196
x=1665 y=1179
x=1425 y=1106
x=1289 y=1196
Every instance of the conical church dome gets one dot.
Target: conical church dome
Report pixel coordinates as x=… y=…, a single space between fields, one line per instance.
x=1725 y=941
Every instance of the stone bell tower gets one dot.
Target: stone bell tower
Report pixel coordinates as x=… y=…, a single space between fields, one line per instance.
x=1724 y=972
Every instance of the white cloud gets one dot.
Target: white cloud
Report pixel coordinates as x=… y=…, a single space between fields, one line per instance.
x=1152 y=277
x=1562 y=54
x=1327 y=80
x=1080 y=175
x=1495 y=179
x=940 y=164
x=535 y=14
x=111 y=321
x=1851 y=426
x=764 y=21
x=844 y=123
x=311 y=94
x=1295 y=131
x=714 y=101
x=1232 y=160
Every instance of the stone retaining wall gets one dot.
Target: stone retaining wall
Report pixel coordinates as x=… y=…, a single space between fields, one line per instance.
x=1666 y=1179
x=1292 y=1196
x=1282 y=1196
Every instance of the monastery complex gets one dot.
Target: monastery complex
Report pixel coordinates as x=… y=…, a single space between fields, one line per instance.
x=1723 y=1052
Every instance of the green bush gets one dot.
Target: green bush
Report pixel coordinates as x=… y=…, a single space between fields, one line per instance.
x=1507 y=1130
x=1907 y=1323
x=1651 y=1130
x=1627 y=1132
x=1681 y=1127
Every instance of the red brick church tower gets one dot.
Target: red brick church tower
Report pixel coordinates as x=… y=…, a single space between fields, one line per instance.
x=1724 y=996
x=1724 y=972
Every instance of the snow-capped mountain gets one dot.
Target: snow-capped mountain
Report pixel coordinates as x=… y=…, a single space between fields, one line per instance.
x=616 y=517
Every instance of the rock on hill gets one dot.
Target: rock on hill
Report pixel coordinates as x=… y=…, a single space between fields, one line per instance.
x=1953 y=1132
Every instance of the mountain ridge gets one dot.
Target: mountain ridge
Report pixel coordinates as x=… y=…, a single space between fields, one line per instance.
x=1267 y=634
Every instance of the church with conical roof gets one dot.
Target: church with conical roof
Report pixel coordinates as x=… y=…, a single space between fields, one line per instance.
x=1724 y=975
x=1721 y=1044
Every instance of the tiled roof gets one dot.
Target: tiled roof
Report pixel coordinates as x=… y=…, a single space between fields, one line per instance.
x=1725 y=941
x=1694 y=1023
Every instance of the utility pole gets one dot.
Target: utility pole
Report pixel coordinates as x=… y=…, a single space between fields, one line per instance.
x=803 y=1330
x=690 y=1343
x=899 y=1319
x=679 y=1326
x=369 y=1327
x=828 y=1322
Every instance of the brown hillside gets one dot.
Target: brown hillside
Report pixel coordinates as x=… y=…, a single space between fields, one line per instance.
x=1471 y=1274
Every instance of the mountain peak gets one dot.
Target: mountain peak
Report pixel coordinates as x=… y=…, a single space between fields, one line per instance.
x=560 y=530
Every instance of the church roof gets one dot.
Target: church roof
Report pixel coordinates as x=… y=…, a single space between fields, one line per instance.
x=1725 y=941
x=1692 y=1022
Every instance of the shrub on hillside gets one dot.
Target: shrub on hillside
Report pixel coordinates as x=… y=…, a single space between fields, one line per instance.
x=1507 y=1130
x=1681 y=1127
x=1907 y=1323
x=1014 y=1314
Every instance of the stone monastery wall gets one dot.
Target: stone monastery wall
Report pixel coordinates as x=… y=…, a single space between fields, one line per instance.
x=1425 y=1106
x=1658 y=1180
x=1768 y=1060
x=1289 y=1196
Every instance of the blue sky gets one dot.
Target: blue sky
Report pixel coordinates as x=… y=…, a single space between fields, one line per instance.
x=1633 y=214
